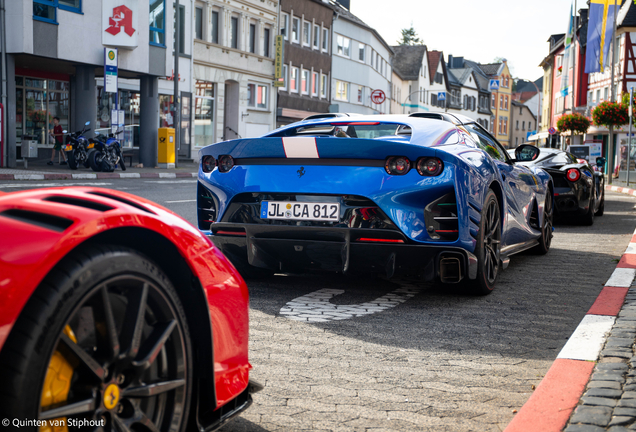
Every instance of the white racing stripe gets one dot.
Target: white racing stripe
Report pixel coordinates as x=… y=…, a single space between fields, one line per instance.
x=588 y=339
x=300 y=147
x=316 y=307
x=622 y=277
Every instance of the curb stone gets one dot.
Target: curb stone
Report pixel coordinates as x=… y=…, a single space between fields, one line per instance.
x=606 y=332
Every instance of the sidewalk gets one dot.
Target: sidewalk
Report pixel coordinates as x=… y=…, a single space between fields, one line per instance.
x=39 y=170
x=591 y=386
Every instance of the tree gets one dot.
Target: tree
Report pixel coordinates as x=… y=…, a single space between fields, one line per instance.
x=409 y=37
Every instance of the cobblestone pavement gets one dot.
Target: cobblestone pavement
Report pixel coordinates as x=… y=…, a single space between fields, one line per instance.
x=439 y=361
x=609 y=401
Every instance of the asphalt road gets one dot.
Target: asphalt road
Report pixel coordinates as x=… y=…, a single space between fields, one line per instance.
x=420 y=357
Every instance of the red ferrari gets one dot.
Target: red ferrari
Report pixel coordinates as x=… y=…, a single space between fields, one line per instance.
x=116 y=315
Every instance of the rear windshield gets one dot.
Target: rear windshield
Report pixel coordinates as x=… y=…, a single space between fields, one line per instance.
x=351 y=130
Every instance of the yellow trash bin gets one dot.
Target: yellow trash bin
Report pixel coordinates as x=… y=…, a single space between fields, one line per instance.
x=166 y=146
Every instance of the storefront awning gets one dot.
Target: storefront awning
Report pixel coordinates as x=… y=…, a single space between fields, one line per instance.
x=538 y=136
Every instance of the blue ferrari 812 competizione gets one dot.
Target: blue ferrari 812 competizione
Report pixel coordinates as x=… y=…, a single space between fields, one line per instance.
x=433 y=196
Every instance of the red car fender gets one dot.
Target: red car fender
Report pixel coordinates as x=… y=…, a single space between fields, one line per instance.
x=29 y=252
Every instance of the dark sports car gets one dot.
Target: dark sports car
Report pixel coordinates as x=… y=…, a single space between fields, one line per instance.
x=579 y=189
x=116 y=315
x=429 y=195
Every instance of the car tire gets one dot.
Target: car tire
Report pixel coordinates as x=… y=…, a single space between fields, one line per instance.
x=488 y=247
x=588 y=218
x=105 y=330
x=601 y=207
x=546 y=230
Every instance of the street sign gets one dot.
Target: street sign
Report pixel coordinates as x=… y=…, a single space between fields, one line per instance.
x=552 y=131
x=493 y=85
x=378 y=97
x=441 y=96
x=110 y=70
x=278 y=62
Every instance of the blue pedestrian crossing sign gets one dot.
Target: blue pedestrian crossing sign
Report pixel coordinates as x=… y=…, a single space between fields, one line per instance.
x=441 y=96
x=493 y=85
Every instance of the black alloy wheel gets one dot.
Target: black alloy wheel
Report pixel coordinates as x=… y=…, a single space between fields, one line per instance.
x=548 y=222
x=488 y=247
x=115 y=351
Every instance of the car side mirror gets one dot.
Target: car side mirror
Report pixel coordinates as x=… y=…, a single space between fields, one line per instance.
x=526 y=153
x=600 y=161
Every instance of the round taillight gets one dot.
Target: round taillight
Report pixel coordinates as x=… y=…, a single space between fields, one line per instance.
x=208 y=163
x=226 y=162
x=397 y=165
x=573 y=174
x=430 y=166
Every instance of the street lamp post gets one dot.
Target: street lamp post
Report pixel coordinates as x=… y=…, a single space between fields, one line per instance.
x=404 y=103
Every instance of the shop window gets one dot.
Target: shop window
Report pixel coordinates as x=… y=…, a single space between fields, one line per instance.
x=157 y=22
x=257 y=96
x=204 y=114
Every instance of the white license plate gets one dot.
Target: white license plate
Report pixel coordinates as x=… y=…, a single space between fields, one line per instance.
x=291 y=210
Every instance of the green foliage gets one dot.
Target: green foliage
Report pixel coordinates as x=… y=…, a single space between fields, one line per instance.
x=409 y=37
x=575 y=123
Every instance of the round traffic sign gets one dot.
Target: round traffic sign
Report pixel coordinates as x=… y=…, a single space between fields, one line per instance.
x=378 y=96
x=552 y=131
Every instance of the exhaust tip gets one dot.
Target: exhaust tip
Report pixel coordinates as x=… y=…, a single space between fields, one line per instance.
x=450 y=270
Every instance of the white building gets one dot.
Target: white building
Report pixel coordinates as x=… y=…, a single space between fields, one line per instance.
x=411 y=63
x=361 y=63
x=233 y=69
x=55 y=53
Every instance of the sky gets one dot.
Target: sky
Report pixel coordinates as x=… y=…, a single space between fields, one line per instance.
x=479 y=30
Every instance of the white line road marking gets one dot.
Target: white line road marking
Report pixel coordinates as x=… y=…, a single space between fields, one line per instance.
x=622 y=277
x=36 y=185
x=180 y=201
x=195 y=174
x=587 y=340
x=171 y=181
x=316 y=307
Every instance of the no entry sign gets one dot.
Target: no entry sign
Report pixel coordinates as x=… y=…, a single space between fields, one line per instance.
x=377 y=97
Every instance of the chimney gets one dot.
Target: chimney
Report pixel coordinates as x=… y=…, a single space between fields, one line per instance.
x=450 y=61
x=345 y=4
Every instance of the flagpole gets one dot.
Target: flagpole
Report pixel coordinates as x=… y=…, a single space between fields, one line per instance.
x=610 y=145
x=574 y=71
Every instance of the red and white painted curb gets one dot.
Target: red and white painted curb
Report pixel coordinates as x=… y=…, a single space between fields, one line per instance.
x=624 y=190
x=91 y=176
x=550 y=406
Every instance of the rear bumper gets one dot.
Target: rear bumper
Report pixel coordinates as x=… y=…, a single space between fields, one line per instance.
x=332 y=249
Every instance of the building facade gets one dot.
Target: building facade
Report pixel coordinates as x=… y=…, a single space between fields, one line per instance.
x=361 y=64
x=411 y=63
x=523 y=124
x=501 y=100
x=233 y=69
x=306 y=28
x=51 y=72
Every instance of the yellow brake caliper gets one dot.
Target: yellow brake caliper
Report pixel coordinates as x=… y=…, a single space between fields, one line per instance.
x=57 y=384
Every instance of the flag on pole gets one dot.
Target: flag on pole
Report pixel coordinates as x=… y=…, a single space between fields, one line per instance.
x=599 y=34
x=568 y=56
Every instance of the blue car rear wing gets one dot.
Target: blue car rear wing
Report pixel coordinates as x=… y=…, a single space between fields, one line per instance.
x=311 y=147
